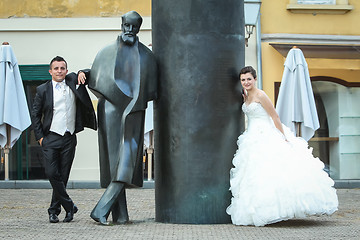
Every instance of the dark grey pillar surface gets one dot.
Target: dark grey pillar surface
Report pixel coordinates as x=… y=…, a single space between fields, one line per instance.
x=199 y=46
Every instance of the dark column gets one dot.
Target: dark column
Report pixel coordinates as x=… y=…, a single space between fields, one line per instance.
x=199 y=46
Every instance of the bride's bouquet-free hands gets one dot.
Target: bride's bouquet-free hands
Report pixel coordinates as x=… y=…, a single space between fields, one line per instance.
x=244 y=94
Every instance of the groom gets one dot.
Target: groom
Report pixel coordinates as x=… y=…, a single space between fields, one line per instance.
x=61 y=108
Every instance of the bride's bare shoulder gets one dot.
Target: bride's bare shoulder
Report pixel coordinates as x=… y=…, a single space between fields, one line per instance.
x=262 y=97
x=260 y=94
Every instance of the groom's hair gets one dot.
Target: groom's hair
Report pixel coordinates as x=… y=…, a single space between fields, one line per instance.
x=248 y=69
x=58 y=59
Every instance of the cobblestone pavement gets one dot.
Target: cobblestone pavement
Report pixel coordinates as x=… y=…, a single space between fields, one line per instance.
x=23 y=215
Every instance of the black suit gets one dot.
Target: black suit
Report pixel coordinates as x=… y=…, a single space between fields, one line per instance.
x=59 y=150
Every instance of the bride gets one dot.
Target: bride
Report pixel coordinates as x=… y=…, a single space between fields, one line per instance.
x=275 y=176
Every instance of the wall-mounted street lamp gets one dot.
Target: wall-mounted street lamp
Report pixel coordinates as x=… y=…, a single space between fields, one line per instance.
x=251 y=12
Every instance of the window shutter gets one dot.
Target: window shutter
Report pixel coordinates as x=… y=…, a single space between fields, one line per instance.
x=38 y=72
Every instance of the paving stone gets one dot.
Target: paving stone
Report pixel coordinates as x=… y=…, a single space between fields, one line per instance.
x=23 y=215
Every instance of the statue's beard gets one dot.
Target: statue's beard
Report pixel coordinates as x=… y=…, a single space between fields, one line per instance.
x=128 y=39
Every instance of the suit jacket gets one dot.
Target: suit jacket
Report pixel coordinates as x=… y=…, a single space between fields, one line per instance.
x=42 y=111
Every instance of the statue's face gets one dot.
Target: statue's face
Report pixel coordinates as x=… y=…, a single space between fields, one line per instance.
x=130 y=27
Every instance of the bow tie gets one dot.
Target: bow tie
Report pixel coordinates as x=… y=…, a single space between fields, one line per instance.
x=60 y=85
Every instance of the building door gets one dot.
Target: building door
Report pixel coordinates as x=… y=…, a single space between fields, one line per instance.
x=341 y=141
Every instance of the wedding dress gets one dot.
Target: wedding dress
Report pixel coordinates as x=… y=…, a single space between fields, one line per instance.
x=273 y=179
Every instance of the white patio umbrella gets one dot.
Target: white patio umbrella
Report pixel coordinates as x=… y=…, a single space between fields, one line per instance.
x=296 y=105
x=14 y=112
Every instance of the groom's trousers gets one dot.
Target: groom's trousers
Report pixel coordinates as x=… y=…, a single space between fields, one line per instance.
x=59 y=152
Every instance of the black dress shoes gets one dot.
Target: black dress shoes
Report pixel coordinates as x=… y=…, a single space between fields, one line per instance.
x=53 y=218
x=70 y=215
x=75 y=209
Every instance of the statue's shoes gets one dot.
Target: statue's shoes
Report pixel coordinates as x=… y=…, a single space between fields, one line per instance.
x=101 y=220
x=118 y=222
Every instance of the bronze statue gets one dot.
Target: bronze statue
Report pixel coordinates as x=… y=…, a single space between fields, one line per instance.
x=124 y=78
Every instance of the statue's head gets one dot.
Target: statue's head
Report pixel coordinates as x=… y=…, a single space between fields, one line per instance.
x=130 y=26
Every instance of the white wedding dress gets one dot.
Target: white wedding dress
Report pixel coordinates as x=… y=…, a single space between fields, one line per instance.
x=274 y=180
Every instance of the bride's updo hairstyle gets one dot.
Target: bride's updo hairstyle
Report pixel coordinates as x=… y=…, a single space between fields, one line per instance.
x=248 y=69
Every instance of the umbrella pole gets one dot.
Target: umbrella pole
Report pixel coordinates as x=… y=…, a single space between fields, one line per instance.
x=7 y=145
x=6 y=151
x=298 y=129
x=150 y=152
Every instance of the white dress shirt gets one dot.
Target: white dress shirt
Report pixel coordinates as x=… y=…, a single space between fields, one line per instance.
x=64 y=111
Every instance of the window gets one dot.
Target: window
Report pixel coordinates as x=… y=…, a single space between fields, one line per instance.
x=319 y=6
x=316 y=2
x=337 y=141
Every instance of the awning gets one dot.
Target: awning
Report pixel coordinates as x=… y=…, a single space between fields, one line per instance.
x=329 y=51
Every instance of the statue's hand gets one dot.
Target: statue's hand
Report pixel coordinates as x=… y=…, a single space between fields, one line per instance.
x=81 y=78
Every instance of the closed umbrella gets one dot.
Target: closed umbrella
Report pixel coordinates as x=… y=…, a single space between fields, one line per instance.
x=14 y=112
x=296 y=105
